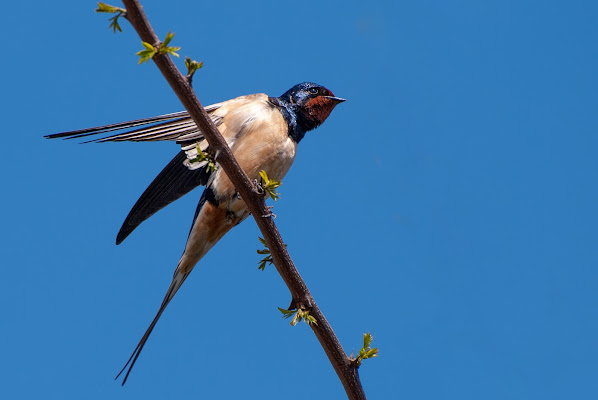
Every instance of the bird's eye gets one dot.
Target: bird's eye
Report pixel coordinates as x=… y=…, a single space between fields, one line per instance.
x=314 y=90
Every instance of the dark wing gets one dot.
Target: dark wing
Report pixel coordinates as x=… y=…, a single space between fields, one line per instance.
x=175 y=181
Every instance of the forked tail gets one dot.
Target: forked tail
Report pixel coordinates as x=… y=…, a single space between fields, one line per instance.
x=177 y=282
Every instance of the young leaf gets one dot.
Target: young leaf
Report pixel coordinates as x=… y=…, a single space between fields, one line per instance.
x=146 y=54
x=270 y=186
x=372 y=353
x=366 y=352
x=296 y=319
x=165 y=49
x=114 y=24
x=310 y=319
x=106 y=8
x=286 y=313
x=298 y=316
x=204 y=157
x=367 y=340
x=168 y=38
x=192 y=66
x=268 y=259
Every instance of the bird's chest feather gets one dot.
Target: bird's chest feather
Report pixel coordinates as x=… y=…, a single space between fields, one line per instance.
x=262 y=143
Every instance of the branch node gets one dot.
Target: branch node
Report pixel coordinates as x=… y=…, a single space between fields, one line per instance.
x=298 y=315
x=192 y=67
x=365 y=352
x=150 y=50
x=269 y=185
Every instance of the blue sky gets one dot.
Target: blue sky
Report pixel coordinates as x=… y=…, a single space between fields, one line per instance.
x=448 y=207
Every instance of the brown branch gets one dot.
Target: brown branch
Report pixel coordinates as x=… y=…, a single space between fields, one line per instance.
x=302 y=298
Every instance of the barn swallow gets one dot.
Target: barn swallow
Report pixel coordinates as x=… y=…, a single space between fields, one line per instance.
x=262 y=132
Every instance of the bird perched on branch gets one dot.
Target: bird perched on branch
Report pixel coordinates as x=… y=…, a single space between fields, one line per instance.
x=262 y=132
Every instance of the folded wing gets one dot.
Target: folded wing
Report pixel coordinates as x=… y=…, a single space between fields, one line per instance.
x=175 y=181
x=181 y=175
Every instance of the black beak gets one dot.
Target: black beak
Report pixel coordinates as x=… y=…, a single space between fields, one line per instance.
x=335 y=99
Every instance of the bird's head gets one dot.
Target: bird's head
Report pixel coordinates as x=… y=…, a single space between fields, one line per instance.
x=312 y=103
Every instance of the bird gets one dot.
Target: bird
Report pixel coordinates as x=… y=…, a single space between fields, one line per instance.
x=263 y=133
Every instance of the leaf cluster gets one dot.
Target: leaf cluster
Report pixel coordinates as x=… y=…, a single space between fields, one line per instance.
x=298 y=315
x=270 y=185
x=204 y=157
x=150 y=51
x=192 y=67
x=107 y=8
x=366 y=351
x=265 y=251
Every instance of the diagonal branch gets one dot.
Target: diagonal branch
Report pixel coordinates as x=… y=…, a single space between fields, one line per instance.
x=302 y=298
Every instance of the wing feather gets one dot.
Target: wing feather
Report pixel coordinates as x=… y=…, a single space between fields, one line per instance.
x=115 y=127
x=175 y=181
x=165 y=131
x=178 y=177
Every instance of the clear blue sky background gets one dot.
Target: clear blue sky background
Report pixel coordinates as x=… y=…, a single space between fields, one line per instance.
x=449 y=206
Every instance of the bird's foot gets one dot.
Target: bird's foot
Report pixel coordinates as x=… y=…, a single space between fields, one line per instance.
x=269 y=213
x=257 y=187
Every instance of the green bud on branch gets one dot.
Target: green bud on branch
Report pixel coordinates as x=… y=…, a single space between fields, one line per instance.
x=298 y=316
x=192 y=67
x=107 y=8
x=204 y=157
x=366 y=351
x=150 y=51
x=270 y=185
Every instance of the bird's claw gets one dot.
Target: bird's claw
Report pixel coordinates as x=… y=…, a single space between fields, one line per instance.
x=257 y=187
x=269 y=213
